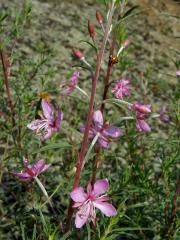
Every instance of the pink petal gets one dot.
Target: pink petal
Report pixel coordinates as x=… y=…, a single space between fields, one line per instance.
x=48 y=109
x=103 y=142
x=36 y=124
x=91 y=132
x=78 y=195
x=98 y=119
x=22 y=175
x=105 y=208
x=38 y=166
x=48 y=133
x=66 y=89
x=100 y=187
x=142 y=126
x=46 y=166
x=59 y=118
x=82 y=216
x=112 y=131
x=74 y=78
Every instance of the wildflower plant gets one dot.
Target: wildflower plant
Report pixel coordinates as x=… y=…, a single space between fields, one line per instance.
x=103 y=137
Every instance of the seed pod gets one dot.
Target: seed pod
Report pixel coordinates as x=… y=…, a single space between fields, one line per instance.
x=91 y=29
x=99 y=17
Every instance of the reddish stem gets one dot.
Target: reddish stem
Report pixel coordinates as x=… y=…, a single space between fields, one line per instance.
x=82 y=152
x=106 y=87
x=5 y=65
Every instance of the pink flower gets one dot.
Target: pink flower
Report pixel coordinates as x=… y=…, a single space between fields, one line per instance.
x=121 y=89
x=105 y=130
x=30 y=172
x=178 y=72
x=141 y=112
x=141 y=124
x=141 y=108
x=48 y=124
x=163 y=116
x=69 y=87
x=87 y=202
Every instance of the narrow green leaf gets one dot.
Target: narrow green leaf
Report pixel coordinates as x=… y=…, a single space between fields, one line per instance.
x=129 y=11
x=92 y=45
x=59 y=145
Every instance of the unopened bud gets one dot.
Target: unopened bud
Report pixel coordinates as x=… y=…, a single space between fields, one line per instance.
x=78 y=54
x=142 y=108
x=91 y=29
x=126 y=42
x=99 y=17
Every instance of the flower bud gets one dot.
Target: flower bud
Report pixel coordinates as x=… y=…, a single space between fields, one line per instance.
x=91 y=29
x=78 y=54
x=126 y=42
x=142 y=108
x=99 y=17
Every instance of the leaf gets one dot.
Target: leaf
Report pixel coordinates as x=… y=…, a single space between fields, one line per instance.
x=92 y=45
x=3 y=16
x=66 y=236
x=129 y=11
x=59 y=145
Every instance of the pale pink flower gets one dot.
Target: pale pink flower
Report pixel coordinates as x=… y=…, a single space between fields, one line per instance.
x=69 y=87
x=105 y=130
x=141 y=112
x=48 y=124
x=121 y=88
x=31 y=171
x=87 y=202
x=141 y=124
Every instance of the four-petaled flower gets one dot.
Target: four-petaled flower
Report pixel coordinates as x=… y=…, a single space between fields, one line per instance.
x=141 y=112
x=104 y=130
x=31 y=171
x=48 y=124
x=87 y=202
x=69 y=87
x=121 y=89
